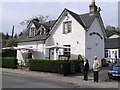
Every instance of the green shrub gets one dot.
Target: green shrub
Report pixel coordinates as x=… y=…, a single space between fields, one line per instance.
x=9 y=53
x=55 y=66
x=66 y=68
x=45 y=65
x=9 y=62
x=75 y=64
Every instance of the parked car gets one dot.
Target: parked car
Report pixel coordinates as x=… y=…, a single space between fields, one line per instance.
x=114 y=70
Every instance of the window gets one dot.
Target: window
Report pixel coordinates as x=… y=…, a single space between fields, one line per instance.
x=67 y=50
x=32 y=32
x=42 y=30
x=119 y=53
x=67 y=27
x=109 y=53
x=106 y=53
x=116 y=54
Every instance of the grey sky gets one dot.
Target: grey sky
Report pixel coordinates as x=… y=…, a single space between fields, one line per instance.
x=15 y=12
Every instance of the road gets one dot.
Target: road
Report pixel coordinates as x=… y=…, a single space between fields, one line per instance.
x=18 y=81
x=15 y=78
x=15 y=81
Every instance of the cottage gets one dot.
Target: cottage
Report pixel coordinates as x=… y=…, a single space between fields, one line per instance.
x=112 y=46
x=68 y=36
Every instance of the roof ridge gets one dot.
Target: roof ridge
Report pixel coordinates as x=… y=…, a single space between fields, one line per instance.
x=71 y=11
x=77 y=17
x=48 y=21
x=83 y=14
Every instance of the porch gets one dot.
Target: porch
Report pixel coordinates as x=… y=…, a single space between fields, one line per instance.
x=57 y=52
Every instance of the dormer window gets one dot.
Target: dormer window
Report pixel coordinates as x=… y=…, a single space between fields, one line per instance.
x=32 y=32
x=42 y=30
x=67 y=27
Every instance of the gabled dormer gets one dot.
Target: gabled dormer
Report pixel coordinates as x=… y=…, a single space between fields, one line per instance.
x=33 y=27
x=45 y=28
x=42 y=30
x=32 y=30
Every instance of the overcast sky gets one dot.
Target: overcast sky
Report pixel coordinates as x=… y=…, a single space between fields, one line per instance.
x=15 y=12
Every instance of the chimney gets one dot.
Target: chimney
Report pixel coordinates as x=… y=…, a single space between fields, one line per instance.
x=93 y=8
x=35 y=19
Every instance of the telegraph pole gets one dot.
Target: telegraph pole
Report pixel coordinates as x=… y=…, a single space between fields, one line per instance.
x=13 y=31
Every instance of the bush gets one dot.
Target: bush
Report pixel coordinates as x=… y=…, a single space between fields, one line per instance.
x=65 y=68
x=55 y=66
x=9 y=62
x=75 y=64
x=9 y=53
x=45 y=65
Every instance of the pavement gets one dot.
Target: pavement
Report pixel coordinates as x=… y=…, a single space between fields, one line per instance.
x=76 y=79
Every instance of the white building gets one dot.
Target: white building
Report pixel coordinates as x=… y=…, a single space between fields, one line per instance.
x=114 y=35
x=112 y=46
x=69 y=35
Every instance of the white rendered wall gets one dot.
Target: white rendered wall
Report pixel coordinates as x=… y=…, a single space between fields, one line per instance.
x=76 y=38
x=37 y=54
x=94 y=44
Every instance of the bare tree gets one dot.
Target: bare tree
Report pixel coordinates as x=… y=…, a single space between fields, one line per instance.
x=41 y=19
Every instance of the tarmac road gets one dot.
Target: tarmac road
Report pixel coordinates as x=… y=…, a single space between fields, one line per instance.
x=16 y=78
x=15 y=81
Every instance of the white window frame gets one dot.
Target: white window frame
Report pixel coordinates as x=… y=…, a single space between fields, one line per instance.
x=67 y=50
x=41 y=30
x=32 y=31
x=106 y=53
x=67 y=27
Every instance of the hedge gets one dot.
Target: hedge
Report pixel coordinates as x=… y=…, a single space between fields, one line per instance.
x=55 y=66
x=9 y=53
x=9 y=62
x=76 y=65
x=45 y=65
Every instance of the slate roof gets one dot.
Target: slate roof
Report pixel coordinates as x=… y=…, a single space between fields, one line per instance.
x=113 y=43
x=88 y=19
x=77 y=17
x=25 y=36
x=84 y=19
x=49 y=24
x=114 y=33
x=36 y=23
